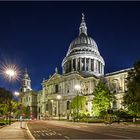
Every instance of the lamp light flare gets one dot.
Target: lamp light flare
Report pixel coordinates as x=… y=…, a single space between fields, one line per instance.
x=52 y=101
x=77 y=87
x=10 y=72
x=58 y=96
x=16 y=93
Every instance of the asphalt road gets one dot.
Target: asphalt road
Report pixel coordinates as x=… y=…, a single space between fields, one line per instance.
x=68 y=130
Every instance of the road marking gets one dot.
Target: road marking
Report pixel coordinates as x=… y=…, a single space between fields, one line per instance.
x=66 y=137
x=54 y=132
x=47 y=134
x=38 y=135
x=59 y=134
x=42 y=134
x=117 y=136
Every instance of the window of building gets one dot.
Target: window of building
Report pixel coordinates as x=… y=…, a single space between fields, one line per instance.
x=56 y=88
x=68 y=105
x=114 y=104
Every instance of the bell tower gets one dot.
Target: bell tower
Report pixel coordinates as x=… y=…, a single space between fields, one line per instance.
x=26 y=82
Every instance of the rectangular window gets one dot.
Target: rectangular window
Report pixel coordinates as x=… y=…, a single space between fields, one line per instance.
x=56 y=88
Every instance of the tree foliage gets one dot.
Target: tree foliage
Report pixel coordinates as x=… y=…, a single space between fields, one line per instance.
x=78 y=102
x=5 y=101
x=132 y=96
x=102 y=99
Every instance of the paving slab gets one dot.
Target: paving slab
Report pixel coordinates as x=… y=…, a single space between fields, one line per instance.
x=14 y=131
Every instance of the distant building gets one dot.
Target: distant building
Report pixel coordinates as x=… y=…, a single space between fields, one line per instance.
x=84 y=66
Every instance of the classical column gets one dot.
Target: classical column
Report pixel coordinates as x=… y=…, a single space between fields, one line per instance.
x=71 y=64
x=85 y=64
x=68 y=65
x=80 y=64
x=76 y=64
x=95 y=66
x=99 y=67
x=102 y=69
x=89 y=64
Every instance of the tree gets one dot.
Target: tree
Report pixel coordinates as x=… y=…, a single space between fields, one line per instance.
x=132 y=96
x=78 y=104
x=5 y=101
x=102 y=99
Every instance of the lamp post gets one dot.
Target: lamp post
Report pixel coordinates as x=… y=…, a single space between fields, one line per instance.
x=59 y=97
x=77 y=88
x=52 y=108
x=17 y=95
x=10 y=74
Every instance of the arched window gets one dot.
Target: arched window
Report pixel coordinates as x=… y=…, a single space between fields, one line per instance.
x=114 y=104
x=115 y=85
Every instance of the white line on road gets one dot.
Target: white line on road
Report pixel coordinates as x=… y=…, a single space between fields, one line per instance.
x=47 y=134
x=67 y=137
x=59 y=134
x=38 y=135
x=117 y=136
x=42 y=134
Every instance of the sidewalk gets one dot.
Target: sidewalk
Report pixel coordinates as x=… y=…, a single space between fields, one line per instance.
x=15 y=132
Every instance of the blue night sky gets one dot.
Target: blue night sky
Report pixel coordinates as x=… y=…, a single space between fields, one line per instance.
x=36 y=35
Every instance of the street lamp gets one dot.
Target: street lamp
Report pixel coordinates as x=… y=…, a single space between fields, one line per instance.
x=11 y=74
x=77 y=88
x=59 y=97
x=16 y=93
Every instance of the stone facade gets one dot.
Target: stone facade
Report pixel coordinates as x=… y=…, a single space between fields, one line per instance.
x=84 y=66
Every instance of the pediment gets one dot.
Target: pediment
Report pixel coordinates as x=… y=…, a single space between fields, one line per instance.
x=54 y=77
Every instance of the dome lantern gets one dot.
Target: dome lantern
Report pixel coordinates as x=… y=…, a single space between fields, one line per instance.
x=83 y=27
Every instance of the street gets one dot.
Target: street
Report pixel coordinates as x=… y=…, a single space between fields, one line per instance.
x=69 y=130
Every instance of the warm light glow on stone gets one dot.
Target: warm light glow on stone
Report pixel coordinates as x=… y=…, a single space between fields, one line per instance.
x=58 y=96
x=77 y=87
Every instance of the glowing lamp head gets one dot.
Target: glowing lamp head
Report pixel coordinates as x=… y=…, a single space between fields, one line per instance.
x=77 y=87
x=16 y=93
x=10 y=72
x=52 y=101
x=58 y=97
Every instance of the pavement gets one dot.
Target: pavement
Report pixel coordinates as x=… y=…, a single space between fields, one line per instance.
x=15 y=132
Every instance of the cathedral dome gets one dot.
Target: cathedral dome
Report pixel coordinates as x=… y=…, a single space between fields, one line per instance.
x=83 y=39
x=82 y=42
x=83 y=55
